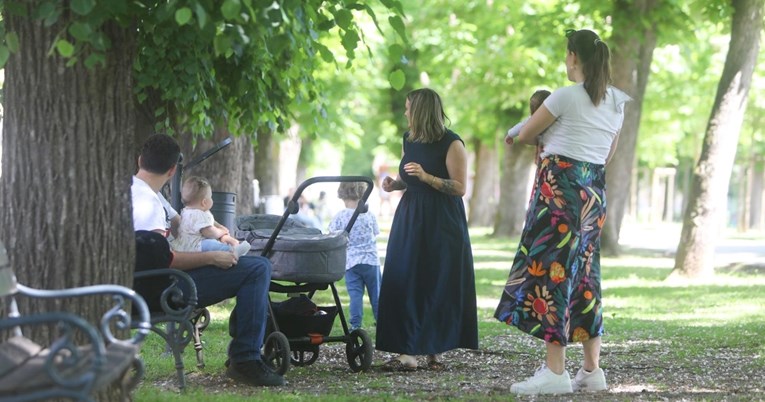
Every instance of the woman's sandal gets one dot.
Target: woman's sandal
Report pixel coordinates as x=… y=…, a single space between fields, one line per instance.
x=397 y=365
x=434 y=365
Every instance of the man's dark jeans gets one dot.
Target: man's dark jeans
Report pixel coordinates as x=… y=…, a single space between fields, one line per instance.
x=248 y=281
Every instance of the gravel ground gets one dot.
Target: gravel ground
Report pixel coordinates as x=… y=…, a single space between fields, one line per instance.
x=634 y=372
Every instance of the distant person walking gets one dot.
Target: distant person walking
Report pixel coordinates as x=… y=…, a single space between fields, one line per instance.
x=427 y=298
x=553 y=291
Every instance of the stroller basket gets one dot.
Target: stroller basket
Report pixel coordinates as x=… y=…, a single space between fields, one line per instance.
x=296 y=325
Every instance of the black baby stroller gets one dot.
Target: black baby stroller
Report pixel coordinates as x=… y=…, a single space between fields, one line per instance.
x=304 y=261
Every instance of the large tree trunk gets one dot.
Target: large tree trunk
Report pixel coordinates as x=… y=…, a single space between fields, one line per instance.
x=67 y=161
x=145 y=120
x=222 y=169
x=246 y=200
x=267 y=163
x=65 y=214
x=709 y=189
x=483 y=200
x=632 y=44
x=304 y=160
x=516 y=185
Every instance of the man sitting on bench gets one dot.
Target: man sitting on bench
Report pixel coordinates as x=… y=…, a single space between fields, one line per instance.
x=218 y=275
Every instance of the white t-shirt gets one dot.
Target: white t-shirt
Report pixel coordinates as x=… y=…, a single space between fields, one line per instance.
x=189 y=233
x=148 y=211
x=581 y=130
x=171 y=212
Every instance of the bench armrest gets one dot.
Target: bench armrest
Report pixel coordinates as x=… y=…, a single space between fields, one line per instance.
x=173 y=301
x=117 y=314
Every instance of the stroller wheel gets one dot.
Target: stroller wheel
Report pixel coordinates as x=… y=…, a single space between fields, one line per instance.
x=302 y=358
x=359 y=351
x=276 y=353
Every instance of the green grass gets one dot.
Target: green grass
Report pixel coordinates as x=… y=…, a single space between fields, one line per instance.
x=650 y=324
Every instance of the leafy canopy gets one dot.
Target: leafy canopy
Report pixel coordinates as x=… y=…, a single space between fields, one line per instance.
x=203 y=63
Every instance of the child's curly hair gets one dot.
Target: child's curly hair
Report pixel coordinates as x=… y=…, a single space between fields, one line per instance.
x=194 y=189
x=351 y=190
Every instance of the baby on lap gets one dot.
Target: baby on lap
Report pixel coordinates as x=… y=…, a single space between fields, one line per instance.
x=198 y=230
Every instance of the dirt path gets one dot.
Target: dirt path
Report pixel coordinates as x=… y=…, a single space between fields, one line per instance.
x=634 y=372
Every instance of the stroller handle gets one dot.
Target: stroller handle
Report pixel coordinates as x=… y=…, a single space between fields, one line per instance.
x=293 y=206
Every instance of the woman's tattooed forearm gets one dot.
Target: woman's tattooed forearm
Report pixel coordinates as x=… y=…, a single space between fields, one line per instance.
x=447 y=186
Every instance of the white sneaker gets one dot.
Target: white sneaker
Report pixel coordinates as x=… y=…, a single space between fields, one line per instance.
x=242 y=249
x=544 y=381
x=590 y=382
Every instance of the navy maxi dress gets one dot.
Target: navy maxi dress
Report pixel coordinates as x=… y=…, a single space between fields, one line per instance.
x=427 y=298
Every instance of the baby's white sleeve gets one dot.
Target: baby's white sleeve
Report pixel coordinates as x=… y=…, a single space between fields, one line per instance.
x=516 y=130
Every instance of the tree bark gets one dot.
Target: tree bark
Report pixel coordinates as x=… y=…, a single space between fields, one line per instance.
x=711 y=178
x=222 y=169
x=145 y=121
x=246 y=199
x=632 y=44
x=483 y=200
x=304 y=160
x=65 y=214
x=516 y=185
x=267 y=163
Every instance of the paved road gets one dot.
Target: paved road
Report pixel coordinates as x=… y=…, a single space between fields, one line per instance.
x=731 y=247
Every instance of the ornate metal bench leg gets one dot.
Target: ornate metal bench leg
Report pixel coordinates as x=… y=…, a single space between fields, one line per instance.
x=198 y=347
x=200 y=322
x=175 y=337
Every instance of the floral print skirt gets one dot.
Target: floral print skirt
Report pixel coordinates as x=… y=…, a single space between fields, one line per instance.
x=553 y=291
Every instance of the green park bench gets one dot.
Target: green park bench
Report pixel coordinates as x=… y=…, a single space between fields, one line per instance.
x=82 y=358
x=174 y=315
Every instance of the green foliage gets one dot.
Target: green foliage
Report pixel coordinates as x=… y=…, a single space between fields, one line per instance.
x=254 y=63
x=352 y=112
x=485 y=67
x=201 y=63
x=397 y=79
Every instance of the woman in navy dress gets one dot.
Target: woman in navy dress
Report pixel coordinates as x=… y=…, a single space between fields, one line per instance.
x=427 y=298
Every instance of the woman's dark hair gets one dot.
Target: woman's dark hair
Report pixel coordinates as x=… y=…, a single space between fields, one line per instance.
x=595 y=58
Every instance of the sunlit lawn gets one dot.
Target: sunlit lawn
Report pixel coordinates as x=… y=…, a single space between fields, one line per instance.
x=642 y=312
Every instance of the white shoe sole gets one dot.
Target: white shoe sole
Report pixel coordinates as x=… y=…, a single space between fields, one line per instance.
x=546 y=391
x=597 y=384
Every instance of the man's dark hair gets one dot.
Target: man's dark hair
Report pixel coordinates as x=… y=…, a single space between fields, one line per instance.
x=159 y=154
